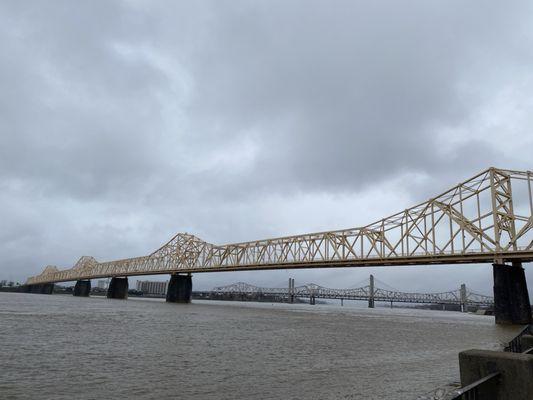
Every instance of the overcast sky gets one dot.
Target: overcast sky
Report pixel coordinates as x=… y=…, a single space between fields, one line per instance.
x=125 y=122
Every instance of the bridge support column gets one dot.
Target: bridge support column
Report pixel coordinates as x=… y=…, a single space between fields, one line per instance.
x=462 y=293
x=118 y=288
x=47 y=288
x=371 y=292
x=291 y=290
x=41 y=288
x=82 y=288
x=312 y=300
x=511 y=298
x=179 y=289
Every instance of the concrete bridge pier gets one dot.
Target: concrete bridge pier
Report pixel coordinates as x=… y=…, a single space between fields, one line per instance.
x=82 y=288
x=371 y=292
x=47 y=288
x=462 y=293
x=179 y=288
x=511 y=297
x=118 y=288
x=41 y=288
x=312 y=300
x=291 y=290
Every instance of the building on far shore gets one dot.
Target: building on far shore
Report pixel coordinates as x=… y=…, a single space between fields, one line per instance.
x=152 y=287
x=102 y=284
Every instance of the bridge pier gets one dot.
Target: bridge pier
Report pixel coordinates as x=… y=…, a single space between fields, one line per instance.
x=371 y=292
x=511 y=297
x=41 y=288
x=291 y=290
x=47 y=288
x=118 y=288
x=312 y=300
x=462 y=294
x=82 y=288
x=179 y=289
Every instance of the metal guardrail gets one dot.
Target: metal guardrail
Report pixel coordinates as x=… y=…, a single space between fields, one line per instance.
x=515 y=345
x=471 y=392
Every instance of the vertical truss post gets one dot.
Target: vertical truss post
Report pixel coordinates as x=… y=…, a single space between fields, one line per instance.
x=529 y=223
x=495 y=216
x=503 y=212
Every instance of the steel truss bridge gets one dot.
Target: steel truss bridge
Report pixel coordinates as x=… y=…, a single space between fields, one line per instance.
x=461 y=296
x=487 y=218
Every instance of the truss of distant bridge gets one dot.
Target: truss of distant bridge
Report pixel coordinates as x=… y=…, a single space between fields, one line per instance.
x=487 y=218
x=461 y=296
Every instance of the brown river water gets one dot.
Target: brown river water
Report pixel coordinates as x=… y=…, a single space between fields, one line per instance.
x=63 y=347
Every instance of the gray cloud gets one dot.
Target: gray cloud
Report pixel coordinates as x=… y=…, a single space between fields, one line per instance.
x=124 y=122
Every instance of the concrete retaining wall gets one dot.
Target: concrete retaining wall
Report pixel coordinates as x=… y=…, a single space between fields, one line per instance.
x=516 y=381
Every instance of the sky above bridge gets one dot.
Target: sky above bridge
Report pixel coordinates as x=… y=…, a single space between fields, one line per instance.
x=124 y=122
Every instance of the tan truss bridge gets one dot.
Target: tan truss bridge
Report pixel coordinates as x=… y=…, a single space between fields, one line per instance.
x=487 y=218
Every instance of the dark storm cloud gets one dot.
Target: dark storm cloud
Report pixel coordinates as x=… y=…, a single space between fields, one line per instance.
x=123 y=122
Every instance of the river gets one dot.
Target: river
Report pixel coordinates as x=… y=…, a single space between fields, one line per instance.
x=64 y=347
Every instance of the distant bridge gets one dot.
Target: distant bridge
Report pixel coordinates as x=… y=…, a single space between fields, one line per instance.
x=461 y=297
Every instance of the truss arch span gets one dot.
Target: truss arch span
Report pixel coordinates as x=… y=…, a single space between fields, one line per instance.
x=487 y=218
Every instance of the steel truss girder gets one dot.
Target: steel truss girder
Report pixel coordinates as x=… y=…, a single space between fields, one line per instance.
x=478 y=220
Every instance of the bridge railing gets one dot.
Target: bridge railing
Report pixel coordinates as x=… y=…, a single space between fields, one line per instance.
x=472 y=391
x=515 y=345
